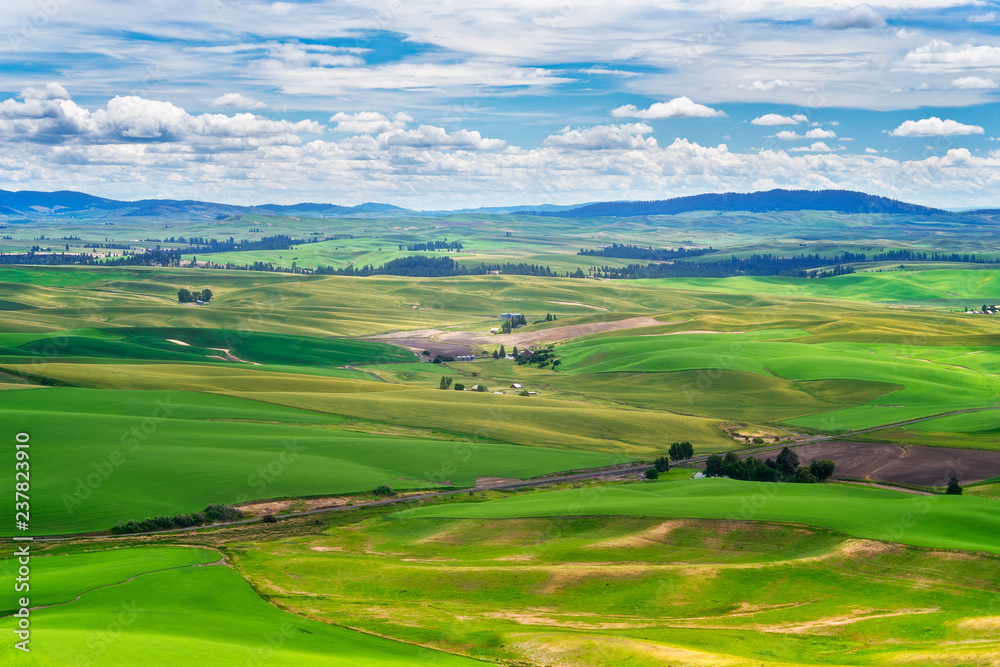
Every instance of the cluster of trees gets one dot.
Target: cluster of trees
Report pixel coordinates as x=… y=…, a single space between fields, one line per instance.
x=678 y=451
x=277 y=242
x=783 y=468
x=185 y=295
x=383 y=490
x=212 y=514
x=755 y=265
x=628 y=251
x=839 y=270
x=511 y=323
x=434 y=245
x=147 y=258
x=108 y=246
x=445 y=383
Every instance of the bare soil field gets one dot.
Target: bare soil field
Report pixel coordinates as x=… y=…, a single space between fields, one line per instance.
x=926 y=466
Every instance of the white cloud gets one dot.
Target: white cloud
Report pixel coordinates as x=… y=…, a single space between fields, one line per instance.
x=765 y=86
x=369 y=122
x=819 y=133
x=627 y=136
x=987 y=17
x=934 y=127
x=816 y=147
x=862 y=16
x=938 y=55
x=769 y=119
x=973 y=83
x=52 y=91
x=679 y=107
x=872 y=151
x=131 y=118
x=237 y=101
x=788 y=135
x=430 y=136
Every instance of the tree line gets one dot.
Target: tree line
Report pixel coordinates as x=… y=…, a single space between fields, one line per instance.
x=783 y=468
x=434 y=245
x=628 y=251
x=212 y=514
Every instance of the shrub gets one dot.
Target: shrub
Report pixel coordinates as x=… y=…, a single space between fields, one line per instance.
x=459 y=386
x=652 y=474
x=269 y=518
x=384 y=490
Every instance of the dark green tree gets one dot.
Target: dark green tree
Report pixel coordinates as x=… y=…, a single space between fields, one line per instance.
x=787 y=462
x=481 y=387
x=496 y=355
x=184 y=295
x=503 y=352
x=662 y=464
x=713 y=466
x=953 y=488
x=652 y=474
x=459 y=386
x=822 y=469
x=802 y=475
x=445 y=383
x=206 y=295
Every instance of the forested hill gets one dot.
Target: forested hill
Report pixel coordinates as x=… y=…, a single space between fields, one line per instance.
x=842 y=201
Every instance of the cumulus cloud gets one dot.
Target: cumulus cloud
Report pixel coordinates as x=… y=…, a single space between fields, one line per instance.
x=769 y=119
x=862 y=16
x=816 y=147
x=934 y=127
x=765 y=86
x=369 y=122
x=51 y=91
x=430 y=136
x=938 y=55
x=627 y=136
x=819 y=133
x=237 y=101
x=973 y=83
x=53 y=118
x=872 y=151
x=679 y=107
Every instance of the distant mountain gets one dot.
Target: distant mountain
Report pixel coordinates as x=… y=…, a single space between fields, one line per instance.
x=32 y=204
x=841 y=201
x=77 y=204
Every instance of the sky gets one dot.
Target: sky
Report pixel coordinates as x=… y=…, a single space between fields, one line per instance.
x=439 y=104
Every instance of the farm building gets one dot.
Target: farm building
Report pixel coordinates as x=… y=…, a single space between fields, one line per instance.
x=467 y=357
x=515 y=386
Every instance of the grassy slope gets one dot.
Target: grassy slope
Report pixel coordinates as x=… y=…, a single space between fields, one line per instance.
x=185 y=615
x=948 y=522
x=637 y=591
x=504 y=418
x=99 y=457
x=931 y=382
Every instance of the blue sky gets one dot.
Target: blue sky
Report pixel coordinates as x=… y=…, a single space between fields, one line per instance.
x=442 y=104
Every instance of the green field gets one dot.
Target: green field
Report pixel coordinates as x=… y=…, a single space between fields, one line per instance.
x=177 y=606
x=632 y=590
x=139 y=406
x=100 y=457
x=945 y=522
